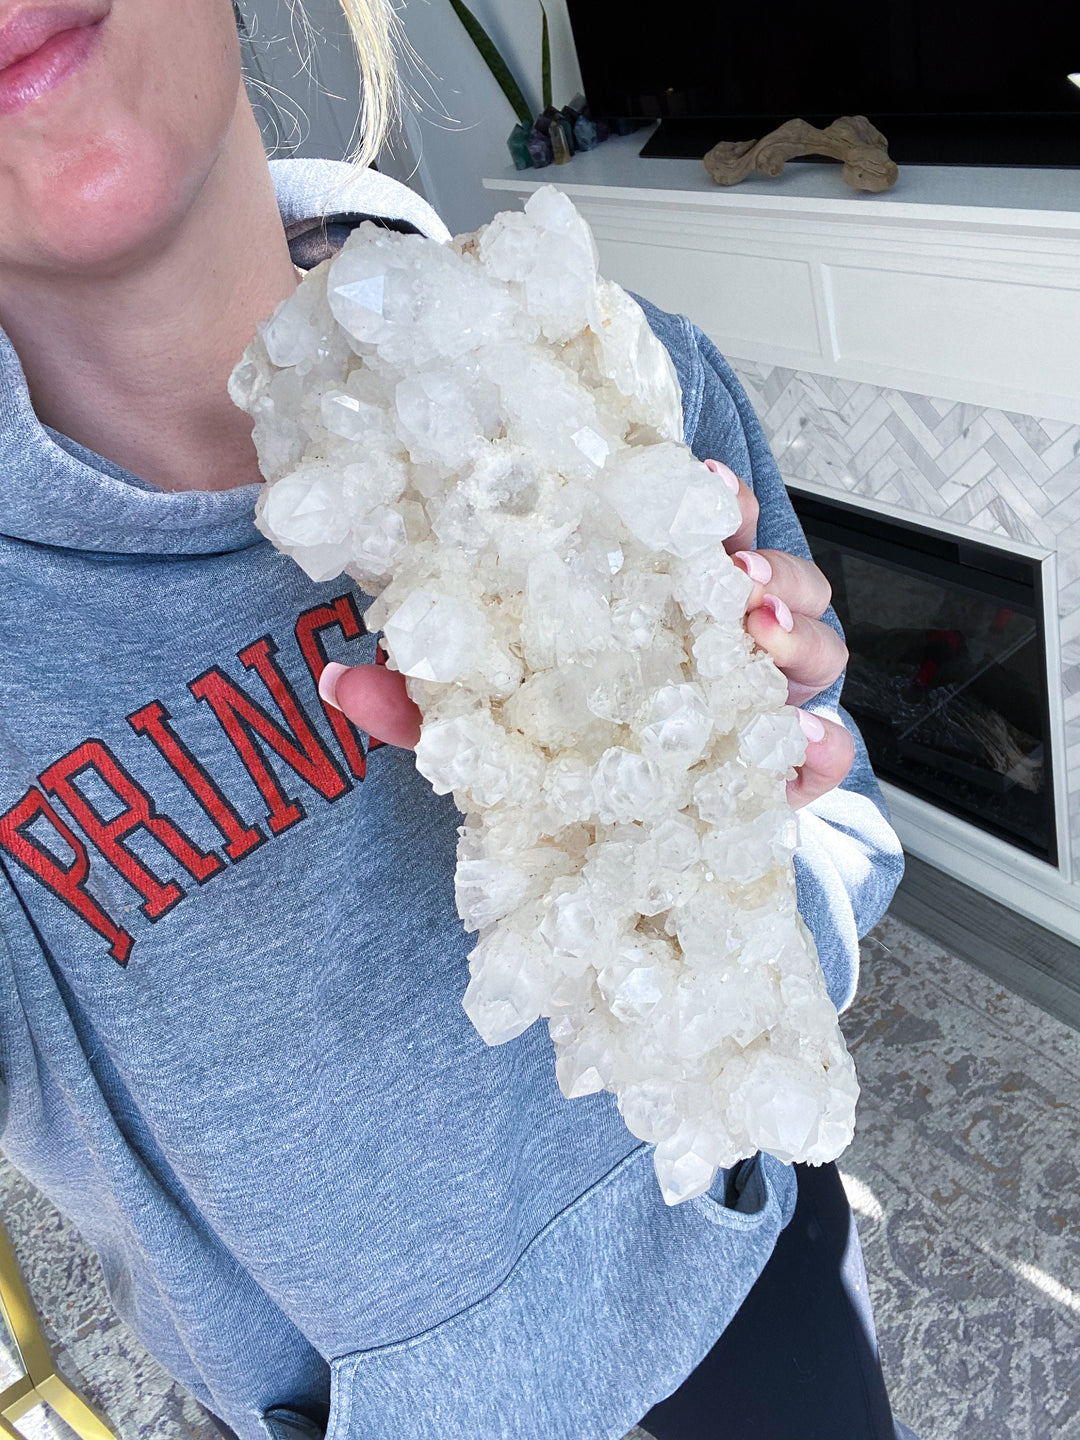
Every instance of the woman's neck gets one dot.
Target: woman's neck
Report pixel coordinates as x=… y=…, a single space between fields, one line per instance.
x=135 y=366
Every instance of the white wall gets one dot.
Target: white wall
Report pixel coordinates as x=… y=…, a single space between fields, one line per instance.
x=304 y=109
x=458 y=126
x=458 y=120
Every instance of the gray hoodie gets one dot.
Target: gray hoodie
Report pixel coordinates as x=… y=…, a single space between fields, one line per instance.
x=231 y=1038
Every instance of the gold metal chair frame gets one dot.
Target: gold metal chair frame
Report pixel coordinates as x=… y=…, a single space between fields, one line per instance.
x=41 y=1384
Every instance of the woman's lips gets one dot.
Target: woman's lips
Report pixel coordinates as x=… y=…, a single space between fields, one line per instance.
x=47 y=66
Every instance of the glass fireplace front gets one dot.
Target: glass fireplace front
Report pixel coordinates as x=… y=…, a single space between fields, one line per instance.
x=947 y=677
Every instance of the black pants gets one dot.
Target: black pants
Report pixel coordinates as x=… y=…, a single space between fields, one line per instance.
x=799 y=1361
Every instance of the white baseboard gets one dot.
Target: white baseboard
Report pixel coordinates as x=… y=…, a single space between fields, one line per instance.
x=1029 y=886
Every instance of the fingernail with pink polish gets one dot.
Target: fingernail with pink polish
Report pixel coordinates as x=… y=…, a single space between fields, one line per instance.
x=730 y=479
x=755 y=565
x=780 y=610
x=813 y=729
x=332 y=673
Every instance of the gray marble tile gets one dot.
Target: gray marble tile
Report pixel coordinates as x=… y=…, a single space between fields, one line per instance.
x=1005 y=454
x=1013 y=438
x=877 y=444
x=881 y=475
x=909 y=444
x=1064 y=484
x=940 y=407
x=1034 y=431
x=973 y=470
x=917 y=417
x=976 y=498
x=1068 y=568
x=1069 y=622
x=968 y=443
x=785 y=404
x=1016 y=517
x=954 y=421
x=868 y=422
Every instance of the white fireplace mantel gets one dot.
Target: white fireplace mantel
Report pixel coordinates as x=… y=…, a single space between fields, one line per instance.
x=959 y=283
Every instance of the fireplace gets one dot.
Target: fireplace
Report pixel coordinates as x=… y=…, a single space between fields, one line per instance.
x=947 y=678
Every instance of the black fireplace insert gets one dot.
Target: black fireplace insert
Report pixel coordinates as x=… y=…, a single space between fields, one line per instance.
x=947 y=677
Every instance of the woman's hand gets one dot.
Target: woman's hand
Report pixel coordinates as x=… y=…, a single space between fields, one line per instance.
x=783 y=615
x=375 y=699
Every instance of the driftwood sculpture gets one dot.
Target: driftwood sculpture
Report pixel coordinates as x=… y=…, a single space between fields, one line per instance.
x=852 y=139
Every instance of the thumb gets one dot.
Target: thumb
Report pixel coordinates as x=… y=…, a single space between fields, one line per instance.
x=374 y=699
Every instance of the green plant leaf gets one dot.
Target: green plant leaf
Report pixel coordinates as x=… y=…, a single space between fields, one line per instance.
x=545 y=60
x=493 y=60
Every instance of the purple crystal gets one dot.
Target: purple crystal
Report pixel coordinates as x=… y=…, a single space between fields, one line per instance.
x=539 y=147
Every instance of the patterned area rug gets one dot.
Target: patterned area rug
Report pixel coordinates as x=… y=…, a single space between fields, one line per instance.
x=965 y=1176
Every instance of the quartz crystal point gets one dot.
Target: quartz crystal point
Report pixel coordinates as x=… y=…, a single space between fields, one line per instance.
x=487 y=436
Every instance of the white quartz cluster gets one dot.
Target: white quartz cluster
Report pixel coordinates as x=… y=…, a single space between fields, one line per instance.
x=488 y=437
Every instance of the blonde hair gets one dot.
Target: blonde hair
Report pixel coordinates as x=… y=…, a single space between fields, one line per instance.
x=377 y=33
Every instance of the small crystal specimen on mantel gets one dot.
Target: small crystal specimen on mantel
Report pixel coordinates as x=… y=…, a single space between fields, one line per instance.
x=487 y=436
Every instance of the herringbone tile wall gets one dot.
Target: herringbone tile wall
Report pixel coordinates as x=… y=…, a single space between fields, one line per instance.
x=1013 y=477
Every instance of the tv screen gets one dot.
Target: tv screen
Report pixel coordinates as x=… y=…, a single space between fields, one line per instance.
x=961 y=81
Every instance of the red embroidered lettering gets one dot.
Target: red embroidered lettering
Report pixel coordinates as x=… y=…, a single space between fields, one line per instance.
x=246 y=724
x=139 y=813
x=68 y=883
x=153 y=722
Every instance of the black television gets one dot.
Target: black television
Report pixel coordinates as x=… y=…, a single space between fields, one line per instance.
x=965 y=82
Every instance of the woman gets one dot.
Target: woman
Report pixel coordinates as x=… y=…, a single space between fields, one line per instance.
x=230 y=1024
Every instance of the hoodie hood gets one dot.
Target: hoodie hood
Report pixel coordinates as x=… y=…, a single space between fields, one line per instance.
x=54 y=491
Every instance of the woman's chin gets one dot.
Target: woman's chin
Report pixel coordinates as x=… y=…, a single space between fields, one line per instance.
x=110 y=203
